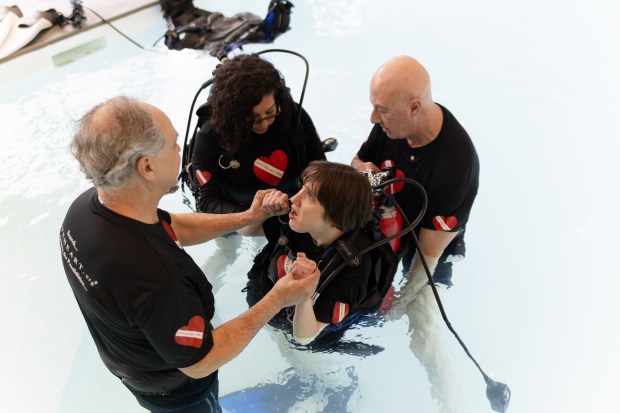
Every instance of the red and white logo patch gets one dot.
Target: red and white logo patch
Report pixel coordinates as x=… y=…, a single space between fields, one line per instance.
x=391 y=223
x=442 y=223
x=397 y=186
x=192 y=334
x=284 y=265
x=203 y=176
x=171 y=234
x=271 y=170
x=340 y=312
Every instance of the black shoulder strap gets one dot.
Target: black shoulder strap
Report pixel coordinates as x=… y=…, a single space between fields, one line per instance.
x=345 y=253
x=349 y=253
x=202 y=125
x=298 y=139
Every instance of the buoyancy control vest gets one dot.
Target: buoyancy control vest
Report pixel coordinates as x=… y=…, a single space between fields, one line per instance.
x=345 y=252
x=187 y=175
x=193 y=28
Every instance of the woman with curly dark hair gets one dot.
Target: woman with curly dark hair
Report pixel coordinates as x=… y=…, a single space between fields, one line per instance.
x=251 y=139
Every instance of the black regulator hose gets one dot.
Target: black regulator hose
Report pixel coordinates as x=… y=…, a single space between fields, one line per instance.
x=303 y=88
x=498 y=393
x=385 y=240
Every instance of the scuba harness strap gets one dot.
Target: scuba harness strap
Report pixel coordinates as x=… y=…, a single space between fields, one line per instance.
x=186 y=176
x=384 y=259
x=349 y=252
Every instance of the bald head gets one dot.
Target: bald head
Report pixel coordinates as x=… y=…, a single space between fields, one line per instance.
x=400 y=93
x=403 y=77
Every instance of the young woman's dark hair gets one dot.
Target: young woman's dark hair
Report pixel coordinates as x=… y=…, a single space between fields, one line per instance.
x=240 y=84
x=344 y=193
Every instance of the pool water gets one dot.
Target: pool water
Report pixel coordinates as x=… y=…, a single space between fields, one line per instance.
x=535 y=85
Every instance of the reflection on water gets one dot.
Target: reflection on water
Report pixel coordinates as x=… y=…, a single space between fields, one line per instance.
x=322 y=376
x=296 y=390
x=215 y=266
x=427 y=330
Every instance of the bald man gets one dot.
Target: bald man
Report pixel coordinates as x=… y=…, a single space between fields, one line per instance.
x=421 y=140
x=146 y=303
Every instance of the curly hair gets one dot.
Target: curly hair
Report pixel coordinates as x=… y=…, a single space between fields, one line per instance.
x=240 y=84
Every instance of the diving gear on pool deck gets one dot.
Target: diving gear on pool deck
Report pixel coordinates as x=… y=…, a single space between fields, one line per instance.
x=18 y=31
x=194 y=28
x=23 y=30
x=9 y=17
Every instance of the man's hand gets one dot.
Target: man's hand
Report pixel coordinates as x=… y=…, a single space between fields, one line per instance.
x=361 y=166
x=276 y=203
x=195 y=228
x=256 y=211
x=290 y=290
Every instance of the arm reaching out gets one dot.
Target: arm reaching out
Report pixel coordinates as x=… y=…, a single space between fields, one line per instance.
x=196 y=228
x=274 y=203
x=232 y=337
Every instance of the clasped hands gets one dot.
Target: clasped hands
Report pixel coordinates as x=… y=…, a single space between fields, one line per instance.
x=299 y=283
x=276 y=203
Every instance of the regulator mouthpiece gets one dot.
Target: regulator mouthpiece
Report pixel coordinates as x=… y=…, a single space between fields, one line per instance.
x=499 y=395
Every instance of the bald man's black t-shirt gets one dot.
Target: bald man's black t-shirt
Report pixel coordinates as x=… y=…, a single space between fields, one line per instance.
x=447 y=168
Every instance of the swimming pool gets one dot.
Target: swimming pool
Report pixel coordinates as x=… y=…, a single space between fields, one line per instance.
x=536 y=87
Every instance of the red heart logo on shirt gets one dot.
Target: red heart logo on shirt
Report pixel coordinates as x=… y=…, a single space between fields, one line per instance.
x=396 y=187
x=391 y=223
x=271 y=169
x=282 y=265
x=340 y=312
x=171 y=234
x=192 y=334
x=203 y=176
x=442 y=223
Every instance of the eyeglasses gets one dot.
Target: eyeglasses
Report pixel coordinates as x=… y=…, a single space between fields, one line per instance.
x=258 y=121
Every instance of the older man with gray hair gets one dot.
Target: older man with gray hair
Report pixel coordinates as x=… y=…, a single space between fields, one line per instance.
x=147 y=304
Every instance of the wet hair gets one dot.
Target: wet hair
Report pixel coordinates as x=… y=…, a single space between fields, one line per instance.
x=111 y=137
x=240 y=84
x=344 y=193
